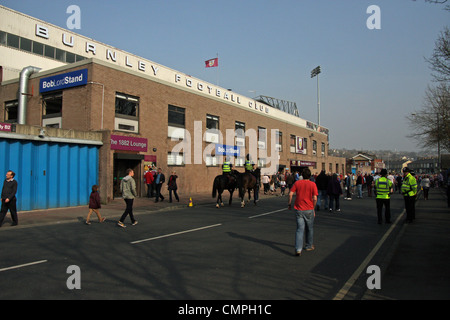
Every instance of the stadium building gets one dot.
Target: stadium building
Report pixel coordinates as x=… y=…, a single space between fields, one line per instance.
x=77 y=112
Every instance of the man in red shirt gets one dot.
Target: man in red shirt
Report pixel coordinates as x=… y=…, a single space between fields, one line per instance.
x=305 y=202
x=148 y=181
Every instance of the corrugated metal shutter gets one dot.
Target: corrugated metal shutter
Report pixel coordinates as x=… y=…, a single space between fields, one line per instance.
x=50 y=175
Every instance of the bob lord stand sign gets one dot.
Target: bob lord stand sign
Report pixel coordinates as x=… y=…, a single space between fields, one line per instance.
x=128 y=143
x=64 y=81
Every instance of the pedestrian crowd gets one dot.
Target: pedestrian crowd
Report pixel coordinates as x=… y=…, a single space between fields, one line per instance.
x=312 y=192
x=326 y=189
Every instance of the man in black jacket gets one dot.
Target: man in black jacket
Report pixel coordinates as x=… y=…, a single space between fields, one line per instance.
x=9 y=198
x=322 y=185
x=159 y=180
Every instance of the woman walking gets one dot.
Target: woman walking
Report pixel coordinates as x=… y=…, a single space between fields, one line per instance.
x=94 y=205
x=172 y=186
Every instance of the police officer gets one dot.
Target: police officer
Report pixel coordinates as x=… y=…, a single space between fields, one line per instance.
x=249 y=165
x=383 y=190
x=409 y=192
x=226 y=166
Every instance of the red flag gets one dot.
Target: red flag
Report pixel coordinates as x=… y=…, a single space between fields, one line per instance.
x=212 y=63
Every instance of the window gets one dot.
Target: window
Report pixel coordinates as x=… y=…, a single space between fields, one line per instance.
x=60 y=55
x=25 y=44
x=177 y=116
x=212 y=129
x=126 y=106
x=13 y=40
x=70 y=57
x=212 y=122
x=314 y=146
x=175 y=159
x=28 y=45
x=52 y=105
x=127 y=113
x=3 y=38
x=49 y=52
x=239 y=161
x=323 y=149
x=292 y=143
x=210 y=160
x=279 y=141
x=176 y=122
x=239 y=132
x=38 y=48
x=11 y=108
x=52 y=110
x=239 y=128
x=262 y=137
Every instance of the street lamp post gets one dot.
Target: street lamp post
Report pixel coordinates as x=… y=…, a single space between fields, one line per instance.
x=315 y=72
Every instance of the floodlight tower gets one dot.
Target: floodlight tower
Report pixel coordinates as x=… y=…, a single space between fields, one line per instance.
x=315 y=72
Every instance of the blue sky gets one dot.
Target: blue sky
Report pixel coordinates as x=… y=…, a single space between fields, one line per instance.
x=370 y=80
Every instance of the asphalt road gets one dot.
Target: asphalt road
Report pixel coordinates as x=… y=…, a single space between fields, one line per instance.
x=200 y=253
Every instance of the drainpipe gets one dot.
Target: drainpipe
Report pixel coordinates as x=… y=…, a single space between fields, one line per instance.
x=23 y=92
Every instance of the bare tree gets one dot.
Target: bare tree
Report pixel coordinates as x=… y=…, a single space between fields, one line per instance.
x=435 y=1
x=440 y=59
x=447 y=7
x=431 y=125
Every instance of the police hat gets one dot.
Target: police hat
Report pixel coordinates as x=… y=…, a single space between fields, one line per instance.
x=406 y=169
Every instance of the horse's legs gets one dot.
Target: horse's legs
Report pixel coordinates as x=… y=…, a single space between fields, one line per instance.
x=242 y=195
x=219 y=198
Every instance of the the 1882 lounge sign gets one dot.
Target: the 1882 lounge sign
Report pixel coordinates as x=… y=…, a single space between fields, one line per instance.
x=128 y=143
x=64 y=81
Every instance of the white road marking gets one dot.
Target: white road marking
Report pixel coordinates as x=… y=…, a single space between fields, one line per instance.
x=264 y=214
x=176 y=233
x=347 y=286
x=22 y=265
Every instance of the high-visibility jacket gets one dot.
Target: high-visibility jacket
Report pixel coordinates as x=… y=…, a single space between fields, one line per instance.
x=409 y=186
x=382 y=187
x=248 y=165
x=226 y=167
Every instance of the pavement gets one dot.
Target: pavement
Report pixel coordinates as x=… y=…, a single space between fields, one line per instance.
x=112 y=210
x=418 y=266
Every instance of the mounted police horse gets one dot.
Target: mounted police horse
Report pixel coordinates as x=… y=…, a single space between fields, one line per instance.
x=224 y=182
x=249 y=181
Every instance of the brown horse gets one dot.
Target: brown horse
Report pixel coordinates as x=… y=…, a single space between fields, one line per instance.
x=249 y=181
x=224 y=182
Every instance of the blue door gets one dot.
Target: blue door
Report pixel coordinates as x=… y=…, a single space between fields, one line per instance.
x=50 y=175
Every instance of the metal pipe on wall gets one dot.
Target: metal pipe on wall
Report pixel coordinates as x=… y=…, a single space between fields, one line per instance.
x=23 y=93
